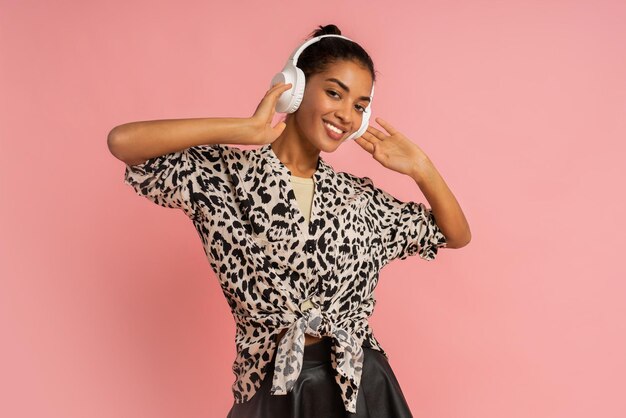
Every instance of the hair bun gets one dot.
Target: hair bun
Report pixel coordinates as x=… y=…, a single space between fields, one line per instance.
x=317 y=57
x=327 y=30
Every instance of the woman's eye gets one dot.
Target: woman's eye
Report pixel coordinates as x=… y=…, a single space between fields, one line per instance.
x=331 y=92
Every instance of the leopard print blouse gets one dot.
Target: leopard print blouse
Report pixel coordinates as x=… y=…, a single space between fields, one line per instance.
x=276 y=270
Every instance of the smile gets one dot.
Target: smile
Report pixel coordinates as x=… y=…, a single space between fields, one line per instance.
x=332 y=131
x=333 y=128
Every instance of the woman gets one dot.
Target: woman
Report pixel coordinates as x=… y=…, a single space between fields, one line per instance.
x=297 y=247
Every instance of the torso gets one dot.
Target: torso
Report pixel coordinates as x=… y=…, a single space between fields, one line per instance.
x=308 y=339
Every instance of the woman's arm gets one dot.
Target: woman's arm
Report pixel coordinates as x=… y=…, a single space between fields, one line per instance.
x=445 y=208
x=136 y=142
x=396 y=152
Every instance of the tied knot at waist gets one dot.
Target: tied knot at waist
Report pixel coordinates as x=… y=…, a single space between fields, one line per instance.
x=290 y=355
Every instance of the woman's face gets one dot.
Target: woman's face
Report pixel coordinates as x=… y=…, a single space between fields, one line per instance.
x=340 y=102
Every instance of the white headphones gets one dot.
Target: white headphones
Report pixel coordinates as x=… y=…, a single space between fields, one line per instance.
x=290 y=100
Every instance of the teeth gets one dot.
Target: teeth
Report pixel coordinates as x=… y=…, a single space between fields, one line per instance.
x=332 y=128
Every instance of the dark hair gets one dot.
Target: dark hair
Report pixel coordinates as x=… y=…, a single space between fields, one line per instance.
x=318 y=56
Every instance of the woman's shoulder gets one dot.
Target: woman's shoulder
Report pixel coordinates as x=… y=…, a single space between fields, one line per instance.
x=355 y=181
x=214 y=153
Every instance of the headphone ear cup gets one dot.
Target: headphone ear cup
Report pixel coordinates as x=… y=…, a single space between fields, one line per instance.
x=364 y=124
x=298 y=90
x=290 y=100
x=284 y=100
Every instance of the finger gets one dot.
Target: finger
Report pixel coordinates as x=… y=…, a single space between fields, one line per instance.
x=275 y=94
x=371 y=140
x=272 y=113
x=285 y=86
x=271 y=98
x=280 y=127
x=387 y=126
x=282 y=88
x=376 y=133
x=280 y=83
x=369 y=137
x=366 y=145
x=279 y=86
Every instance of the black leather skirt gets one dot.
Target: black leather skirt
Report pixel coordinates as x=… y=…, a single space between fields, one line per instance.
x=316 y=394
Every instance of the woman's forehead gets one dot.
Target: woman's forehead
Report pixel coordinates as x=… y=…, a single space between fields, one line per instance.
x=347 y=76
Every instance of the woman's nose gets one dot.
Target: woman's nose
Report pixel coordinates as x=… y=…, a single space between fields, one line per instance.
x=345 y=114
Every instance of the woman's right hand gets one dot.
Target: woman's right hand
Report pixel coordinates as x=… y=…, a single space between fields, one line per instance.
x=264 y=132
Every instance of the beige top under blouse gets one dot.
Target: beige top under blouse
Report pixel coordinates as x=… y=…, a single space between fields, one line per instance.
x=303 y=188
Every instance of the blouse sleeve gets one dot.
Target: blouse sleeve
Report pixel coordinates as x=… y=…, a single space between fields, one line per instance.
x=407 y=228
x=169 y=180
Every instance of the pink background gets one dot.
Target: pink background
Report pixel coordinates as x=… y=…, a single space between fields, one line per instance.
x=108 y=307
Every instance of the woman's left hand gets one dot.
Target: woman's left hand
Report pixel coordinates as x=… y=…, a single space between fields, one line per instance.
x=393 y=150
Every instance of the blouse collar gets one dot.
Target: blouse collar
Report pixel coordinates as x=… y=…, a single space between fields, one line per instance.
x=323 y=170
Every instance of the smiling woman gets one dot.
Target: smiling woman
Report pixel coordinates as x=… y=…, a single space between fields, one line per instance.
x=322 y=363
x=296 y=246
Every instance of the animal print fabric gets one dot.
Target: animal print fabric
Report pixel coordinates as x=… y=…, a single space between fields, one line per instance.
x=269 y=260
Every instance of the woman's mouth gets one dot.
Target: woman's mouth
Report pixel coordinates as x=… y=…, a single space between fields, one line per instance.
x=332 y=131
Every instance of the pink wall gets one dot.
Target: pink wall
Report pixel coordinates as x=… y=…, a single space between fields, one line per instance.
x=108 y=307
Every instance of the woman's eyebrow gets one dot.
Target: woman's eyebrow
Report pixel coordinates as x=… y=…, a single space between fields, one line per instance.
x=346 y=88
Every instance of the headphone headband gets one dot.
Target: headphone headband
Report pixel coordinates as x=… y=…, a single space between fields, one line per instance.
x=296 y=53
